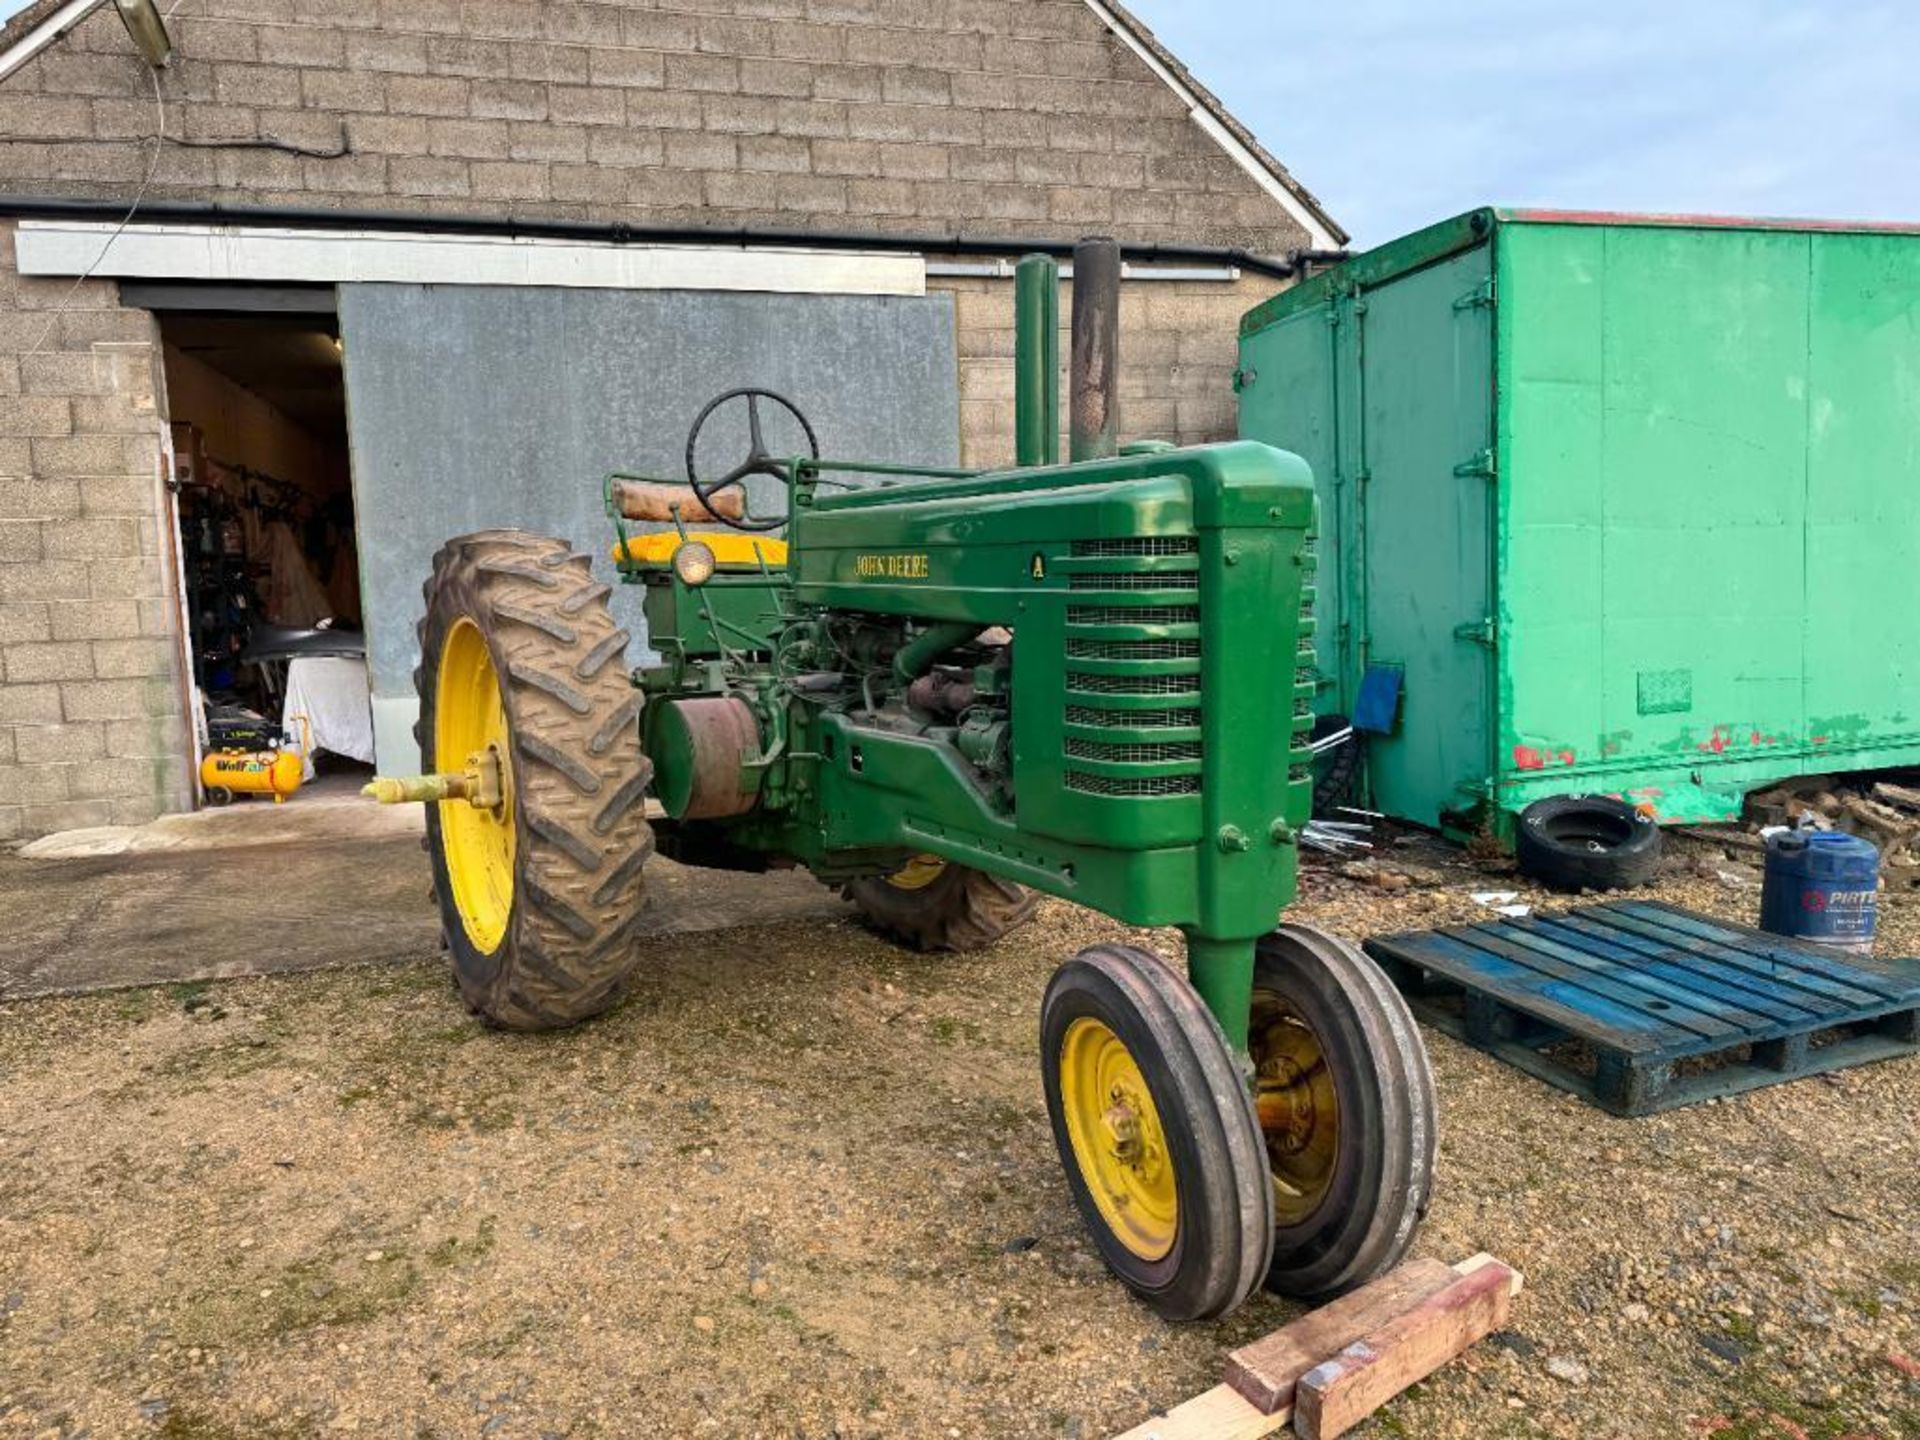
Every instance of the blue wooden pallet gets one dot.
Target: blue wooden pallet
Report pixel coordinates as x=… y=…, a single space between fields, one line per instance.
x=1672 y=1007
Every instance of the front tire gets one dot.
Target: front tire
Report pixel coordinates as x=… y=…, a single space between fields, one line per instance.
x=1347 y=1110
x=520 y=661
x=1156 y=1132
x=934 y=904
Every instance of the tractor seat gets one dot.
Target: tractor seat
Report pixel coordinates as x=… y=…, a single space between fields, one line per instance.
x=732 y=549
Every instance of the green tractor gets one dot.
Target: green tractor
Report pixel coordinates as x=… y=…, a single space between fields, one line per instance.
x=948 y=692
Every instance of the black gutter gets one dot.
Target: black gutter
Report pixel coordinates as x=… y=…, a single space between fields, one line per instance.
x=213 y=212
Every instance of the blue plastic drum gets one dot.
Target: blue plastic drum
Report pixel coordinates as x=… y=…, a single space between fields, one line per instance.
x=1821 y=885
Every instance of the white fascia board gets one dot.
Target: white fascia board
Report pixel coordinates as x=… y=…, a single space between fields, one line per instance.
x=1318 y=236
x=45 y=33
x=243 y=253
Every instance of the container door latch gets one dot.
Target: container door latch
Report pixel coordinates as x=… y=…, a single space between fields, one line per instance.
x=1479 y=465
x=1481 y=295
x=1480 y=632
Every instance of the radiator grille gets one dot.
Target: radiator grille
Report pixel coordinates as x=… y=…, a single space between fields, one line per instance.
x=1146 y=785
x=1133 y=684
x=1134 y=660
x=1124 y=753
x=1136 y=545
x=1133 y=719
x=1133 y=614
x=1135 y=580
x=1079 y=649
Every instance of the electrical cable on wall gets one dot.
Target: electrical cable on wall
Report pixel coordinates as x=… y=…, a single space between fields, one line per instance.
x=146 y=183
x=153 y=168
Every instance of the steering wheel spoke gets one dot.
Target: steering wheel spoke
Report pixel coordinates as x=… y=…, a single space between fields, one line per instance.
x=758 y=461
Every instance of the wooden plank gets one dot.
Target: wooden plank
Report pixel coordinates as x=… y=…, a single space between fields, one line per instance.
x=1221 y=1413
x=1266 y=1371
x=1853 y=995
x=1830 y=977
x=1335 y=1396
x=1761 y=978
x=1663 y=990
x=1893 y=978
x=1467 y=968
x=1650 y=1003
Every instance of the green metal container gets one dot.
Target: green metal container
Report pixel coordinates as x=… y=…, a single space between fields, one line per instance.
x=1631 y=503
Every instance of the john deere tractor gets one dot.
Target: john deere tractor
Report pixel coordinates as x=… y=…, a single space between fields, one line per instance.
x=948 y=692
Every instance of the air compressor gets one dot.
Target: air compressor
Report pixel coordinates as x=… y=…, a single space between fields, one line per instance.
x=276 y=770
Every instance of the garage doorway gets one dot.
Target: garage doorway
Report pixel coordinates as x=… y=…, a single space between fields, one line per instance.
x=266 y=536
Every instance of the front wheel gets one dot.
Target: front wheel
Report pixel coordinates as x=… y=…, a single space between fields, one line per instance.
x=1347 y=1111
x=1156 y=1131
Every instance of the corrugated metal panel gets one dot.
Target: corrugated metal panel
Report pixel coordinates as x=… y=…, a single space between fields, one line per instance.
x=472 y=406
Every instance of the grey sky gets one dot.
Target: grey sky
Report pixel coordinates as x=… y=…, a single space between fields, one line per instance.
x=1400 y=112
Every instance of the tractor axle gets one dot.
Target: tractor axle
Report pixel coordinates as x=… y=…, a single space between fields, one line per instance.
x=480 y=785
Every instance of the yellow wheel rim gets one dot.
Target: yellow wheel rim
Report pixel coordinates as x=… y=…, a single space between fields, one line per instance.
x=1118 y=1143
x=469 y=721
x=1299 y=1111
x=918 y=873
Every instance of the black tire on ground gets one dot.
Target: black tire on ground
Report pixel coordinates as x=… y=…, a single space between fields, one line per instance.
x=1336 y=772
x=581 y=835
x=959 y=909
x=219 y=795
x=1586 y=842
x=1360 y=1221
x=1223 y=1224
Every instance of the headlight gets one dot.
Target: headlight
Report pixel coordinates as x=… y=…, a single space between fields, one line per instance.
x=694 y=563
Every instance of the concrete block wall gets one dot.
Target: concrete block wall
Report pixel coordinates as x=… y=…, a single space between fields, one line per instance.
x=999 y=116
x=1009 y=117
x=91 y=726
x=1178 y=349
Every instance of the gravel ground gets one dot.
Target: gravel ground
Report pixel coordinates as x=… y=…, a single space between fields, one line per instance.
x=802 y=1186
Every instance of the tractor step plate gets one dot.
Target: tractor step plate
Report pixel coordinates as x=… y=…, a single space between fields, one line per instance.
x=1638 y=1006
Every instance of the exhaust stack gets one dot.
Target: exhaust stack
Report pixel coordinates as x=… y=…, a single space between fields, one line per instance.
x=1093 y=390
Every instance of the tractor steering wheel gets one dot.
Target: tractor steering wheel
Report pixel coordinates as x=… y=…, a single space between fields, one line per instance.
x=758 y=461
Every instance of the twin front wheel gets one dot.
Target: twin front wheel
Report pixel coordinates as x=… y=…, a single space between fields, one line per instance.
x=1198 y=1185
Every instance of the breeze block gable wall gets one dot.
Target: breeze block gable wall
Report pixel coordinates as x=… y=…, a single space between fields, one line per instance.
x=998 y=117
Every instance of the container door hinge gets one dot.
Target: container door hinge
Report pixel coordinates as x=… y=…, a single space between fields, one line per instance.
x=1480 y=297
x=1480 y=465
x=1243 y=378
x=1480 y=632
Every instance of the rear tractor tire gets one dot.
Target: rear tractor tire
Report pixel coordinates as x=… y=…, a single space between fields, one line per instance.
x=521 y=664
x=934 y=904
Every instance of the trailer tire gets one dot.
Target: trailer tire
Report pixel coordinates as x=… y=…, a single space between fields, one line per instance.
x=538 y=900
x=934 y=904
x=1346 y=1100
x=1586 y=842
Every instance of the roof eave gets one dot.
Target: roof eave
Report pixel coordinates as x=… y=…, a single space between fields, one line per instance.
x=1323 y=231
